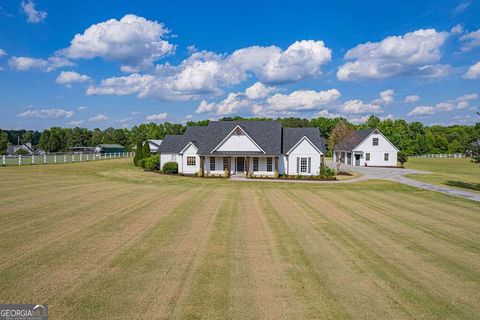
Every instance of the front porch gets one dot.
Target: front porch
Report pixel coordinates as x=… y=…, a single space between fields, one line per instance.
x=239 y=165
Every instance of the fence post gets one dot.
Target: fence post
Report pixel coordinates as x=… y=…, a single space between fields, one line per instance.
x=64 y=158
x=87 y=156
x=55 y=158
x=19 y=159
x=3 y=160
x=80 y=157
x=45 y=159
x=33 y=159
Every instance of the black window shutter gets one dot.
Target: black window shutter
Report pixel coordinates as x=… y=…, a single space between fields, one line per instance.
x=298 y=165
x=309 y=165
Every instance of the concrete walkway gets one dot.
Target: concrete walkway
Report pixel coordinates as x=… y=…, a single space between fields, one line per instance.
x=390 y=174
x=398 y=175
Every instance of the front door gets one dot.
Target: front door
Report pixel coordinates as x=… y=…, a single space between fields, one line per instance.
x=240 y=164
x=357 y=160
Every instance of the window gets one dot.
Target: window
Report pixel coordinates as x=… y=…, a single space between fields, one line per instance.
x=375 y=141
x=255 y=164
x=225 y=163
x=385 y=156
x=367 y=156
x=191 y=161
x=212 y=163
x=174 y=157
x=269 y=165
x=303 y=165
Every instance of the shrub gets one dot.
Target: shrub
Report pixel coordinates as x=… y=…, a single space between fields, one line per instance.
x=326 y=172
x=170 y=168
x=275 y=174
x=402 y=157
x=225 y=173
x=138 y=154
x=152 y=163
x=141 y=163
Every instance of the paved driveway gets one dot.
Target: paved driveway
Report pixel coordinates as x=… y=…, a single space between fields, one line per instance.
x=398 y=175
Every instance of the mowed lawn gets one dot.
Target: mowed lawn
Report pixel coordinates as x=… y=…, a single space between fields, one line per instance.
x=104 y=240
x=458 y=173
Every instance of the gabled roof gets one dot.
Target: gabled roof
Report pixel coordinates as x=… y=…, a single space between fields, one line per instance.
x=291 y=136
x=353 y=139
x=173 y=144
x=110 y=145
x=268 y=135
x=156 y=142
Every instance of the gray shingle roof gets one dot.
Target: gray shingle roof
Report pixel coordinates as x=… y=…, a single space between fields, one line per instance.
x=267 y=134
x=353 y=139
x=292 y=135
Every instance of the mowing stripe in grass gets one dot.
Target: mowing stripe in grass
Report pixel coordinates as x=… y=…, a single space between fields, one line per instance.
x=214 y=282
x=427 y=228
x=311 y=287
x=420 y=298
x=118 y=287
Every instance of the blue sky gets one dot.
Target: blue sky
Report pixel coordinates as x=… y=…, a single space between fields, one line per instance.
x=121 y=63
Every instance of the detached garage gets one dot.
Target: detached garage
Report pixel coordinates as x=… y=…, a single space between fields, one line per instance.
x=366 y=148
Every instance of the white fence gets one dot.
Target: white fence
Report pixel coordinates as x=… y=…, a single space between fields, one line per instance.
x=440 y=155
x=58 y=158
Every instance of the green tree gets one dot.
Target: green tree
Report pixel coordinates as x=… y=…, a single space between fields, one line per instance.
x=146 y=150
x=3 y=142
x=138 y=153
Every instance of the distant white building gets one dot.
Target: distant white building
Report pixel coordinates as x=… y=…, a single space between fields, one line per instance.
x=366 y=148
x=154 y=145
x=25 y=148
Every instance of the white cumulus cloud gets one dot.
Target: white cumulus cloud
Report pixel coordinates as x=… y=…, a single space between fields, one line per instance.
x=303 y=100
x=69 y=77
x=98 y=118
x=207 y=73
x=44 y=65
x=473 y=72
x=356 y=106
x=133 y=41
x=422 y=111
x=415 y=53
x=2 y=53
x=411 y=98
x=157 y=117
x=258 y=91
x=33 y=15
x=47 y=113
x=470 y=40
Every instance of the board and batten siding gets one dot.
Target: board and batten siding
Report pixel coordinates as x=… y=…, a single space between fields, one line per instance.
x=237 y=143
x=303 y=150
x=377 y=153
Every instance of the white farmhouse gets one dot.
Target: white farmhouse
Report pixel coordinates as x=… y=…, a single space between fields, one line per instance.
x=245 y=147
x=366 y=148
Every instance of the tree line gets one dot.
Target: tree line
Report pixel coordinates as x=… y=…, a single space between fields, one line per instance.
x=411 y=137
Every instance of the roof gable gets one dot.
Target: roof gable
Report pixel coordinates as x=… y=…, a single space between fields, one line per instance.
x=292 y=136
x=238 y=140
x=304 y=138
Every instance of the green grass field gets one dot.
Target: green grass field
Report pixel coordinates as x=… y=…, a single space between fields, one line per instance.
x=457 y=173
x=104 y=240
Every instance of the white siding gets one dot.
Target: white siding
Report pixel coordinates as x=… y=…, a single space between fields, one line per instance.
x=377 y=152
x=218 y=166
x=191 y=151
x=304 y=150
x=238 y=143
x=169 y=157
x=262 y=167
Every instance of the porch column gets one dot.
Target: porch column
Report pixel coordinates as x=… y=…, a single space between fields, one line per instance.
x=229 y=166
x=248 y=164
x=276 y=164
x=202 y=165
